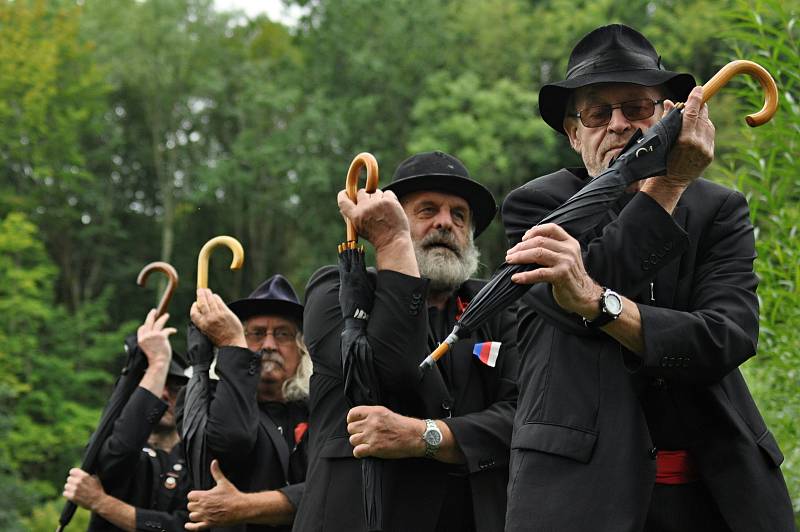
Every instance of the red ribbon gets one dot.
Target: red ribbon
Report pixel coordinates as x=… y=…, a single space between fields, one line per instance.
x=299 y=431
x=461 y=306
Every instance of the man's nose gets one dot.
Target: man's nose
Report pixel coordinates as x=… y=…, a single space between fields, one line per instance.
x=443 y=219
x=618 y=123
x=269 y=342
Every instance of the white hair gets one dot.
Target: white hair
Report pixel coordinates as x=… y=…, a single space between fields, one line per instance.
x=296 y=387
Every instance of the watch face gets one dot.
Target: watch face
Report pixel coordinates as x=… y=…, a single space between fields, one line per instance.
x=613 y=304
x=433 y=437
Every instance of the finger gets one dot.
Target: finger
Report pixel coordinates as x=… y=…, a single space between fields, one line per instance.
x=346 y=206
x=202 y=525
x=693 y=104
x=536 y=242
x=151 y=316
x=169 y=331
x=219 y=304
x=193 y=496
x=357 y=439
x=356 y=427
x=216 y=472
x=357 y=413
x=361 y=451
x=669 y=105
x=194 y=313
x=196 y=516
x=160 y=321
x=538 y=256
x=534 y=276
x=194 y=506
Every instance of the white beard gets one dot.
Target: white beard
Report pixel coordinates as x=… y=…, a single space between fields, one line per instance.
x=446 y=269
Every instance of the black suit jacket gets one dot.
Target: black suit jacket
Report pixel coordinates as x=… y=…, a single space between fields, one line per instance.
x=251 y=450
x=480 y=399
x=153 y=481
x=581 y=453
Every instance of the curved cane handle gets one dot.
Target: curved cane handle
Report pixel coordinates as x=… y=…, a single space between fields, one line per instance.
x=172 y=282
x=362 y=160
x=202 y=260
x=755 y=70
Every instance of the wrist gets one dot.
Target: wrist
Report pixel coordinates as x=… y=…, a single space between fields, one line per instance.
x=100 y=505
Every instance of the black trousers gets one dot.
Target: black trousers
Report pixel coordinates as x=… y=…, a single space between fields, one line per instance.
x=684 y=508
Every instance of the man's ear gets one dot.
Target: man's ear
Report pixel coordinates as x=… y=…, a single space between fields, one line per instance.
x=571 y=128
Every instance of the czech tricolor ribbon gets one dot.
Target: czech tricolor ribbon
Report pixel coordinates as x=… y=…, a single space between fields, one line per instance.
x=487 y=352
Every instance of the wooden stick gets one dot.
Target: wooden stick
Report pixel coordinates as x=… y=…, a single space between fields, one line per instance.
x=755 y=70
x=172 y=282
x=362 y=160
x=205 y=253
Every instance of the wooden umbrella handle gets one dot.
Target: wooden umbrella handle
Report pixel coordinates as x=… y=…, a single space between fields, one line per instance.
x=172 y=282
x=755 y=70
x=362 y=160
x=205 y=253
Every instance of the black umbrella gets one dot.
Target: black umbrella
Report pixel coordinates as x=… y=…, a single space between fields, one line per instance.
x=645 y=155
x=127 y=382
x=198 y=395
x=355 y=299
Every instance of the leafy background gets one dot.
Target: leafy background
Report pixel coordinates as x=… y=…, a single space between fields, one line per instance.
x=135 y=130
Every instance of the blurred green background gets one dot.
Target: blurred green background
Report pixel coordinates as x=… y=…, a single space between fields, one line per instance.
x=135 y=130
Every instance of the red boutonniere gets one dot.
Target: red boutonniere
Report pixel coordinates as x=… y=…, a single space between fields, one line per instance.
x=461 y=306
x=299 y=431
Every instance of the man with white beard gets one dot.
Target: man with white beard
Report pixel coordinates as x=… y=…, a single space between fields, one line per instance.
x=444 y=438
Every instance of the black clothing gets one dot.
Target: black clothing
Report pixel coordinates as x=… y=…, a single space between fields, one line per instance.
x=253 y=452
x=418 y=493
x=151 y=480
x=581 y=441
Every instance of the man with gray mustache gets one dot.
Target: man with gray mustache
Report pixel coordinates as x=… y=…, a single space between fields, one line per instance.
x=258 y=419
x=444 y=437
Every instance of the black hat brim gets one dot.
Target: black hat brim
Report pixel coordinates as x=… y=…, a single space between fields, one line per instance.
x=247 y=308
x=480 y=200
x=553 y=97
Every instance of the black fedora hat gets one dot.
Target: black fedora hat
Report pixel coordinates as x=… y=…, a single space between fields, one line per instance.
x=441 y=172
x=274 y=296
x=614 y=53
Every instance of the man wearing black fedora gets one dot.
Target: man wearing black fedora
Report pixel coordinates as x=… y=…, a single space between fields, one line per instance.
x=141 y=481
x=258 y=418
x=632 y=412
x=444 y=439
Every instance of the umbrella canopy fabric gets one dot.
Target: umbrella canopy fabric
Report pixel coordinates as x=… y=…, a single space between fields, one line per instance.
x=131 y=374
x=356 y=299
x=200 y=353
x=645 y=155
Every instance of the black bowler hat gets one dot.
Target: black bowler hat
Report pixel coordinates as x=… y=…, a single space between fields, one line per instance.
x=274 y=296
x=438 y=171
x=614 y=53
x=177 y=368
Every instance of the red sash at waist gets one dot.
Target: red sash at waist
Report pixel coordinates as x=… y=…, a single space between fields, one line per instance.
x=675 y=467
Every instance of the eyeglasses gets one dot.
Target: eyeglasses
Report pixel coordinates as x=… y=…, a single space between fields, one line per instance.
x=600 y=115
x=282 y=336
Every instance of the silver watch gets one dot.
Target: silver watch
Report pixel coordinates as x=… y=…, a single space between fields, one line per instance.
x=432 y=438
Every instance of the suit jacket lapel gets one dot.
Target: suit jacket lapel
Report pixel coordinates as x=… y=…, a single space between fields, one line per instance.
x=278 y=441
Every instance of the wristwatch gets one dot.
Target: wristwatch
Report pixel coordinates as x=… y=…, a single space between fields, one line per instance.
x=432 y=438
x=610 y=309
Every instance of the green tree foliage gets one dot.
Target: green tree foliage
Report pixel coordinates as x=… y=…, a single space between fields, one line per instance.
x=765 y=167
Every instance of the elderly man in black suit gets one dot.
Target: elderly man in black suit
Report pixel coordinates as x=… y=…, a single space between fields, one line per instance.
x=632 y=413
x=258 y=418
x=445 y=438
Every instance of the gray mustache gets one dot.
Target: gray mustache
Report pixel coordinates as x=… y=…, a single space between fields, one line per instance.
x=272 y=357
x=442 y=238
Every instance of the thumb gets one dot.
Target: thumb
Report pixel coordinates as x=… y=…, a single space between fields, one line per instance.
x=216 y=472
x=669 y=105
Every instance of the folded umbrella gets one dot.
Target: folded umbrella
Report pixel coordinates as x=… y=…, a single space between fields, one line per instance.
x=200 y=353
x=127 y=382
x=356 y=298
x=645 y=155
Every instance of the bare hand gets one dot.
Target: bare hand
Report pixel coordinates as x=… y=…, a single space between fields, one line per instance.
x=153 y=339
x=378 y=217
x=694 y=149
x=213 y=317
x=559 y=256
x=83 y=489
x=377 y=431
x=216 y=507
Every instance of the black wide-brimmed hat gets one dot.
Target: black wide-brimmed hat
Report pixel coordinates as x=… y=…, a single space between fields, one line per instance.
x=610 y=54
x=275 y=296
x=441 y=172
